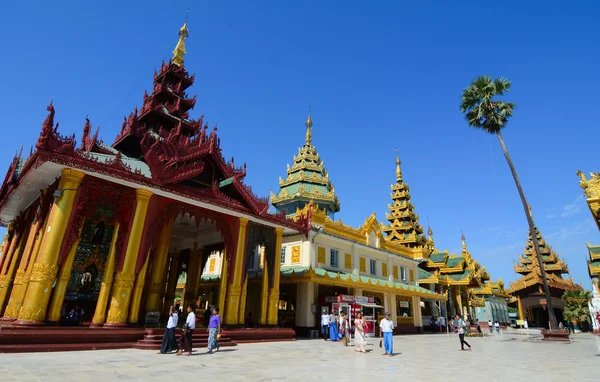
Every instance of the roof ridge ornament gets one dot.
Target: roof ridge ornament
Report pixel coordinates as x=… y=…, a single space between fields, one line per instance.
x=309 y=125
x=179 y=50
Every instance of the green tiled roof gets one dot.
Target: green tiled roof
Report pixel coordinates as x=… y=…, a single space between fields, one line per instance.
x=595 y=263
x=454 y=261
x=437 y=257
x=460 y=276
x=594 y=250
x=135 y=164
x=423 y=274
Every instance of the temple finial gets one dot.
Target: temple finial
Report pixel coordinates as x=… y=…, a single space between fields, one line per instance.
x=464 y=244
x=398 y=172
x=179 y=50
x=309 y=125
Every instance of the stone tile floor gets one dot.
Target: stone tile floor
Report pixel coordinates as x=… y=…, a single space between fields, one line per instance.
x=511 y=357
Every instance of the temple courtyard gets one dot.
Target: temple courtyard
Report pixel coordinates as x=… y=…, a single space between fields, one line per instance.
x=512 y=356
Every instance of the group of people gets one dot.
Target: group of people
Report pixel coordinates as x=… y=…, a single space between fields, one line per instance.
x=336 y=327
x=170 y=343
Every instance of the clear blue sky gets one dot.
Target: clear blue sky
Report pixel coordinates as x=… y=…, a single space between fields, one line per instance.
x=378 y=76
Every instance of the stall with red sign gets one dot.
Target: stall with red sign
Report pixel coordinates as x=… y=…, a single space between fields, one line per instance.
x=350 y=305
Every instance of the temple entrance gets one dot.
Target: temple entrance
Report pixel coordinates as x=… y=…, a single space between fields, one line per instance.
x=287 y=305
x=87 y=272
x=194 y=267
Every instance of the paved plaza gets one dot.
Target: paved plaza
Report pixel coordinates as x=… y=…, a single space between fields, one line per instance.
x=420 y=358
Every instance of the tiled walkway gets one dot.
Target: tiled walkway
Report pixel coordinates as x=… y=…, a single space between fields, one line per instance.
x=419 y=358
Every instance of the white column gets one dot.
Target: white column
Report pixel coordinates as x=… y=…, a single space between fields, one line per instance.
x=304 y=301
x=392 y=306
x=355 y=261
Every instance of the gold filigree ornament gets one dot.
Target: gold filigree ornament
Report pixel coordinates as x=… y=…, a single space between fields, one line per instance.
x=29 y=314
x=124 y=280
x=116 y=316
x=20 y=277
x=43 y=272
x=4 y=281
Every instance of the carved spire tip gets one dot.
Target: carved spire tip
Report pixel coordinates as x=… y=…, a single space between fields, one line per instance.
x=309 y=125
x=179 y=50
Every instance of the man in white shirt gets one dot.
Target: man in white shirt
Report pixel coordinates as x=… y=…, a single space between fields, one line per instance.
x=325 y=322
x=386 y=329
x=186 y=338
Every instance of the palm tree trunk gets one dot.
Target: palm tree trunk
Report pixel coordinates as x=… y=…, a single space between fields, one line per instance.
x=551 y=315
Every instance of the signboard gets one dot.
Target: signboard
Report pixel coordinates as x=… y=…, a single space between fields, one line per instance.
x=345 y=298
x=403 y=304
x=331 y=299
x=361 y=299
x=543 y=301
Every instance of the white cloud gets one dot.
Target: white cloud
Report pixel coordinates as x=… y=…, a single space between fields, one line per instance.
x=573 y=208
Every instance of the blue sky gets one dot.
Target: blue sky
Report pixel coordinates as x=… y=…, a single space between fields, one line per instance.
x=378 y=77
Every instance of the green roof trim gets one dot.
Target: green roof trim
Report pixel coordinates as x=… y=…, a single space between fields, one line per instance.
x=595 y=250
x=454 y=261
x=210 y=277
x=437 y=257
x=225 y=182
x=423 y=274
x=460 y=276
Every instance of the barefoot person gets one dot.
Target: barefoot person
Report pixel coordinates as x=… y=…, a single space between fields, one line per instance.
x=386 y=329
x=460 y=329
x=214 y=330
x=359 y=333
x=169 y=343
x=188 y=329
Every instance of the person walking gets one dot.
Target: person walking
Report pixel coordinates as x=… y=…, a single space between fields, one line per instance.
x=214 y=330
x=386 y=329
x=188 y=329
x=325 y=325
x=344 y=328
x=169 y=342
x=460 y=328
x=360 y=340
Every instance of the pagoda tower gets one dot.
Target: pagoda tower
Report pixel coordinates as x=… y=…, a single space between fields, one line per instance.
x=307 y=180
x=403 y=224
x=528 y=289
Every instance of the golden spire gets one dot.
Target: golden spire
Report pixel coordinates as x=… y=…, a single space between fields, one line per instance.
x=398 y=172
x=309 y=127
x=464 y=244
x=179 y=50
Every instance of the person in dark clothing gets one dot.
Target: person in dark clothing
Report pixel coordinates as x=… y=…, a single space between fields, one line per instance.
x=169 y=343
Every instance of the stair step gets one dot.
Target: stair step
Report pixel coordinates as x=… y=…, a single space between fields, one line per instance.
x=33 y=348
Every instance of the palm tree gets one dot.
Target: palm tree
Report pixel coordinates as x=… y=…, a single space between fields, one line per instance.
x=483 y=111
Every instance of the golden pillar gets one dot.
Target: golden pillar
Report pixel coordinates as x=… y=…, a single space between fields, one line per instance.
x=11 y=268
x=45 y=268
x=136 y=298
x=520 y=308
x=123 y=284
x=58 y=295
x=264 y=295
x=160 y=263
x=171 y=284
x=223 y=284
x=21 y=281
x=273 y=312
x=235 y=287
x=107 y=279
x=10 y=247
x=242 y=315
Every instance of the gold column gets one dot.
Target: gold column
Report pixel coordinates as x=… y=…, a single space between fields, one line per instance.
x=123 y=284
x=136 y=298
x=22 y=276
x=235 y=287
x=171 y=284
x=5 y=243
x=273 y=312
x=11 y=265
x=223 y=284
x=160 y=262
x=107 y=279
x=264 y=295
x=242 y=315
x=58 y=295
x=45 y=268
x=520 y=308
x=14 y=241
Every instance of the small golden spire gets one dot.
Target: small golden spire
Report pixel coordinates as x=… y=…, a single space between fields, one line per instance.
x=464 y=244
x=179 y=50
x=309 y=125
x=398 y=172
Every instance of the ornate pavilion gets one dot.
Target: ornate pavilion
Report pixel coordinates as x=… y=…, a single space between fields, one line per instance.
x=336 y=259
x=528 y=290
x=116 y=226
x=591 y=188
x=438 y=271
